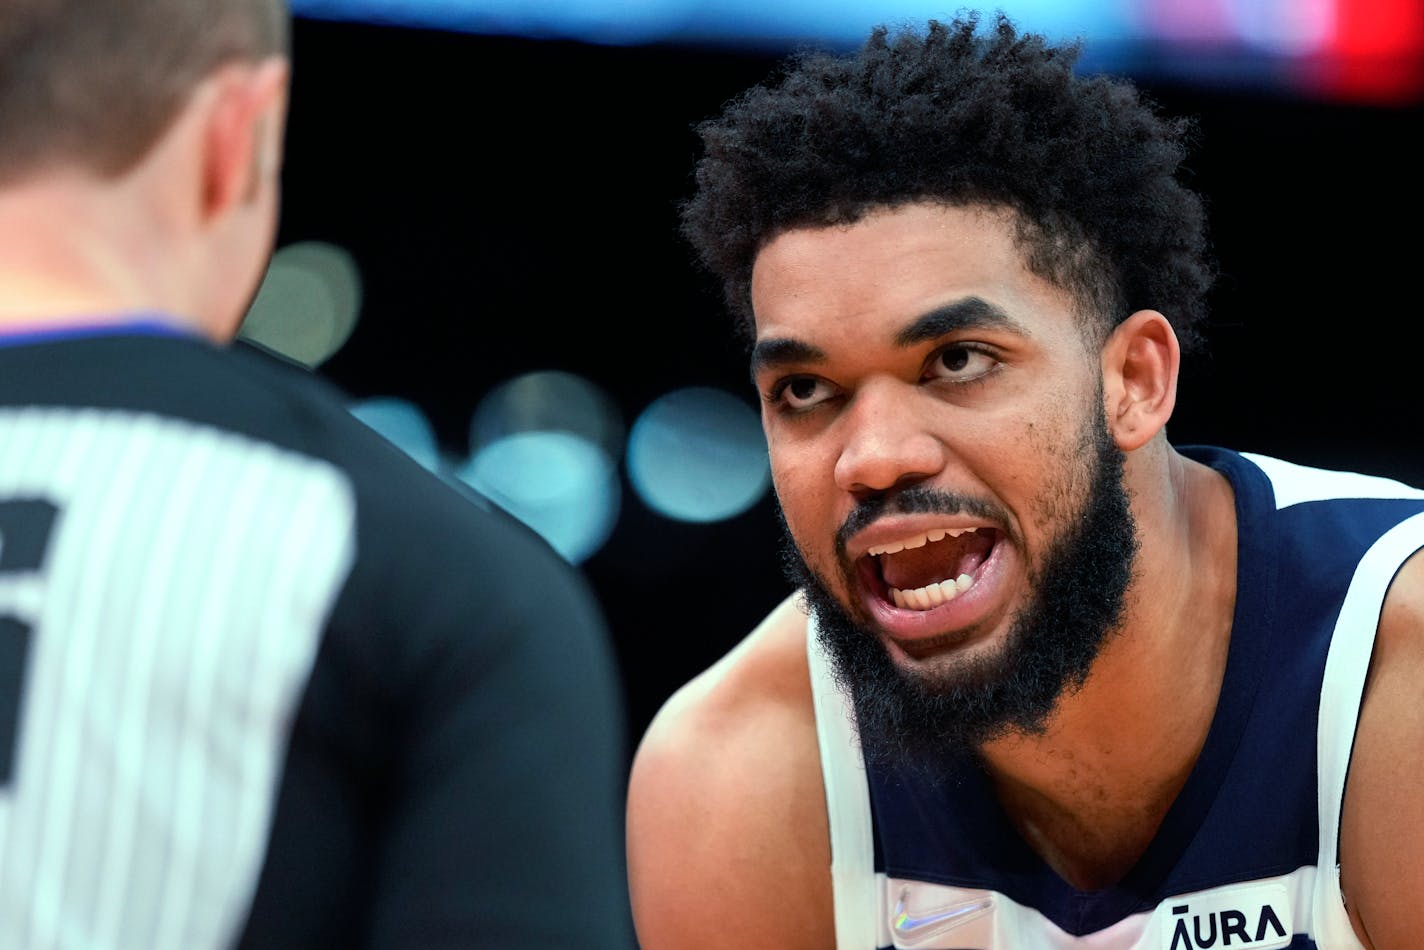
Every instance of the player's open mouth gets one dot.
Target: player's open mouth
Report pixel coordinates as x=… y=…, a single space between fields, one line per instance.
x=924 y=570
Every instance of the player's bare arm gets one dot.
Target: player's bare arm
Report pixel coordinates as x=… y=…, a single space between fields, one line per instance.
x=727 y=840
x=1382 y=819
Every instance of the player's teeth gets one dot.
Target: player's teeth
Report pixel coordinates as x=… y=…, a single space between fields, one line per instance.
x=923 y=598
x=918 y=541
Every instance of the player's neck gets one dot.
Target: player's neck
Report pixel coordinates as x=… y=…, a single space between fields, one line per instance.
x=1089 y=793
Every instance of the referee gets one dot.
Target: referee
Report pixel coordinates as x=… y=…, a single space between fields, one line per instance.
x=264 y=681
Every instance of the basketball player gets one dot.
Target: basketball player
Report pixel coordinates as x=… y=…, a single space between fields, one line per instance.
x=1047 y=680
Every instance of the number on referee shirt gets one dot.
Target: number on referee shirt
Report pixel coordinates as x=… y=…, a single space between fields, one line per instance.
x=25 y=526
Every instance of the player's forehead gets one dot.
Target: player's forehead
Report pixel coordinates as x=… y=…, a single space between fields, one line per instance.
x=888 y=271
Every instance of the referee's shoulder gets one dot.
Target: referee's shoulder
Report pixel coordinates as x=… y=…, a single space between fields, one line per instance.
x=416 y=522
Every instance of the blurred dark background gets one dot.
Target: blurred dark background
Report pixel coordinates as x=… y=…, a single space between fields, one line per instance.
x=511 y=206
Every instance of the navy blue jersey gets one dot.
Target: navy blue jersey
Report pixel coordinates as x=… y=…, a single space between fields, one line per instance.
x=267 y=682
x=1246 y=856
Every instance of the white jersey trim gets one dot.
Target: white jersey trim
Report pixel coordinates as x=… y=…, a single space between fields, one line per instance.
x=927 y=916
x=861 y=921
x=1294 y=483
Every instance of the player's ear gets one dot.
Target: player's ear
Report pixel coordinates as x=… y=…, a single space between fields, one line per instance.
x=243 y=133
x=1140 y=363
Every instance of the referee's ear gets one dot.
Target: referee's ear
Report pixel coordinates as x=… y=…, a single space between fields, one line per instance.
x=243 y=132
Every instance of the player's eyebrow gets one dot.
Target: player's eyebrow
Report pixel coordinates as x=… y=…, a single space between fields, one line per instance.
x=970 y=312
x=781 y=351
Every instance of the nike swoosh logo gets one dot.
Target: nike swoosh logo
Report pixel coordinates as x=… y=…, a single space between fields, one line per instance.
x=950 y=917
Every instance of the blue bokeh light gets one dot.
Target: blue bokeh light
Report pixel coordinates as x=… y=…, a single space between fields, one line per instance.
x=698 y=454
x=562 y=485
x=549 y=401
x=742 y=22
x=402 y=422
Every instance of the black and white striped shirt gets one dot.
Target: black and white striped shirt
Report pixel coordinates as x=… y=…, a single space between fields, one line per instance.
x=267 y=682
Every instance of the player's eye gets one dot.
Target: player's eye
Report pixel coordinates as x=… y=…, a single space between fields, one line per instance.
x=798 y=393
x=961 y=363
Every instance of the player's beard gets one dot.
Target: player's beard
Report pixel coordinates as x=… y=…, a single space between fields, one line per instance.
x=1076 y=597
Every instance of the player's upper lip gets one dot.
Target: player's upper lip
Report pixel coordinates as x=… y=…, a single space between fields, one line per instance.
x=897 y=532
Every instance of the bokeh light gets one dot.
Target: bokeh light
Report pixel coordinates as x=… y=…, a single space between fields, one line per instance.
x=403 y=423
x=308 y=302
x=698 y=454
x=562 y=485
x=549 y=401
x=545 y=447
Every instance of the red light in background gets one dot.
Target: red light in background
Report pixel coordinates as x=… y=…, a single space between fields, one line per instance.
x=1375 y=55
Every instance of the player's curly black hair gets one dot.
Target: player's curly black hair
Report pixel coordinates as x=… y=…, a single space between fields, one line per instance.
x=949 y=114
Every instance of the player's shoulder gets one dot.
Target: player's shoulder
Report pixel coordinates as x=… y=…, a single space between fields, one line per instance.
x=1399 y=640
x=1382 y=823
x=727 y=776
x=1404 y=605
x=720 y=718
